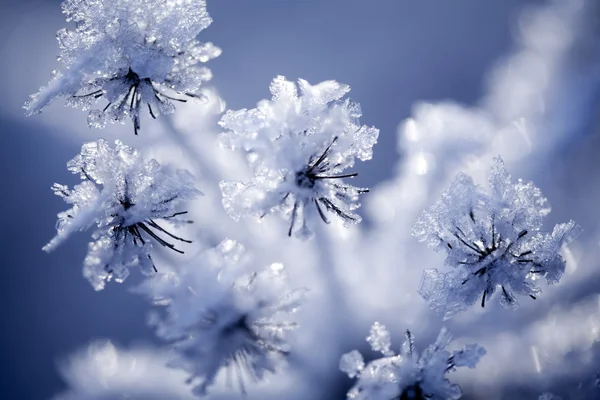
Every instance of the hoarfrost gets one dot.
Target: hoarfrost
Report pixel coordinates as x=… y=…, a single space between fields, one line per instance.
x=298 y=144
x=122 y=197
x=492 y=240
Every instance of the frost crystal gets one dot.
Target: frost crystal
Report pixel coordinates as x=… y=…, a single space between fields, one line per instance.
x=299 y=146
x=407 y=375
x=123 y=197
x=129 y=52
x=493 y=240
x=222 y=315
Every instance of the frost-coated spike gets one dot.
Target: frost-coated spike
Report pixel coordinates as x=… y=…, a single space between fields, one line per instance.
x=136 y=55
x=493 y=240
x=129 y=202
x=408 y=375
x=222 y=314
x=299 y=144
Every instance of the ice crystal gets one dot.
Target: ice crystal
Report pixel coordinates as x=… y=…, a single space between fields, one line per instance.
x=406 y=375
x=299 y=146
x=122 y=197
x=221 y=314
x=493 y=240
x=129 y=52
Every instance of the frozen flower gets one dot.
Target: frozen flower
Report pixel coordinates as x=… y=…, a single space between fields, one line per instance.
x=122 y=197
x=493 y=240
x=129 y=52
x=406 y=375
x=299 y=146
x=223 y=315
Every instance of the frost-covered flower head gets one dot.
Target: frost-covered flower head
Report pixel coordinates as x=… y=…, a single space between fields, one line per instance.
x=406 y=375
x=222 y=315
x=123 y=197
x=493 y=240
x=299 y=145
x=129 y=52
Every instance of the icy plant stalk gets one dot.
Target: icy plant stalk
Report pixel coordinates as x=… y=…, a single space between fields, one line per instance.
x=134 y=53
x=492 y=241
x=224 y=314
x=405 y=375
x=127 y=201
x=299 y=145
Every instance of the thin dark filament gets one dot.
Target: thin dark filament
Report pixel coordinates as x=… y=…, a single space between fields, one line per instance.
x=170 y=199
x=475 y=249
x=294 y=214
x=91 y=180
x=505 y=293
x=321 y=213
x=151 y=112
x=98 y=93
x=159 y=93
x=330 y=206
x=479 y=250
x=175 y=215
x=351 y=175
x=155 y=225
x=324 y=155
x=158 y=238
x=136 y=232
x=493 y=233
x=411 y=342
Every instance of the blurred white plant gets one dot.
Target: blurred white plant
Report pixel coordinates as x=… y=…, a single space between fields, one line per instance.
x=122 y=196
x=223 y=314
x=104 y=371
x=299 y=146
x=406 y=375
x=129 y=52
x=492 y=240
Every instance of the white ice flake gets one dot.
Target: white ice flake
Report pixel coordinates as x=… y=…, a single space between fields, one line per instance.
x=407 y=375
x=129 y=52
x=222 y=314
x=493 y=240
x=122 y=197
x=299 y=145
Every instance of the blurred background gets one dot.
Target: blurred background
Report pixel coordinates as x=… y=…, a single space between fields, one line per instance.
x=395 y=54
